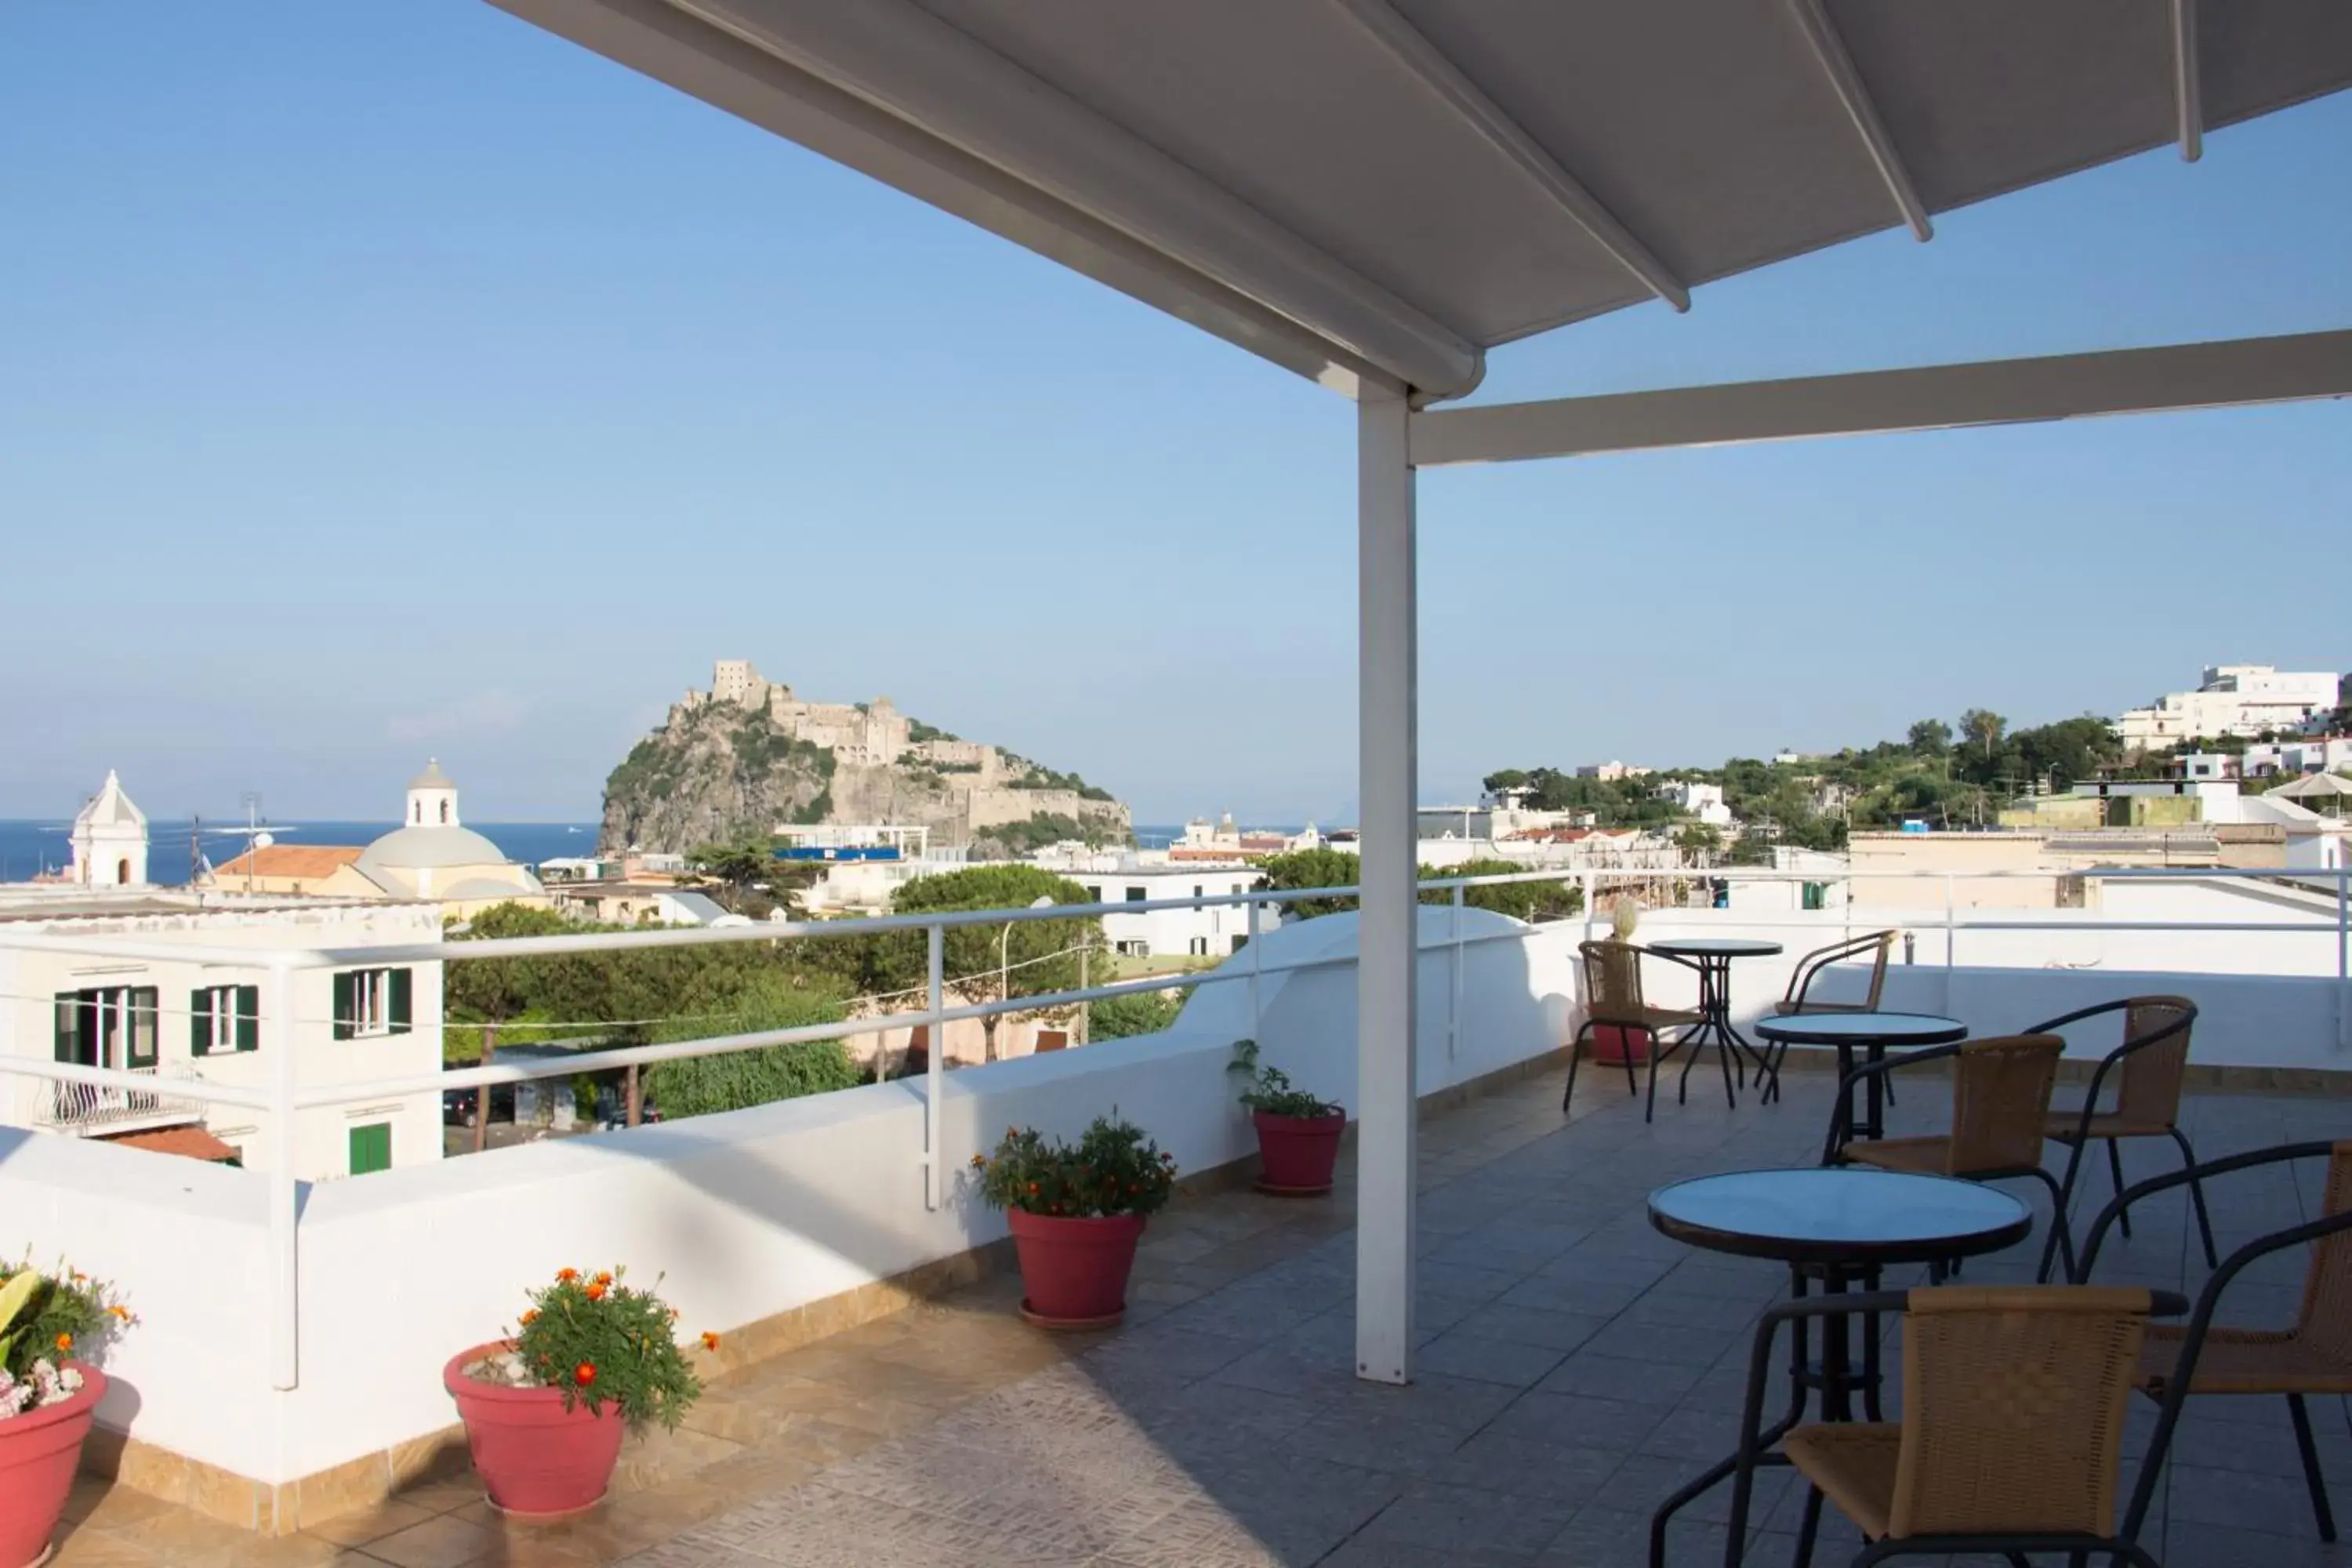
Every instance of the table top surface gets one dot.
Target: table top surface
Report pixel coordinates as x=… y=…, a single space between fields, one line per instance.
x=1889 y=1028
x=1716 y=947
x=1838 y=1214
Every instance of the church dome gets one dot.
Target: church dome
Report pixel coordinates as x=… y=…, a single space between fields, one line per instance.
x=434 y=848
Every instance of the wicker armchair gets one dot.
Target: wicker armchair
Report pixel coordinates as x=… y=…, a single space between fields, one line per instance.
x=1613 y=997
x=2149 y=1066
x=2013 y=1408
x=1799 y=996
x=2311 y=1356
x=2001 y=1102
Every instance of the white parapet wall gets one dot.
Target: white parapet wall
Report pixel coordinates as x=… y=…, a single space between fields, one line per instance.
x=741 y=1217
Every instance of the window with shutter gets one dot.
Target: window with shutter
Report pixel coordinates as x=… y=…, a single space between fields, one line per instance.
x=371 y=1148
x=200 y=1021
x=346 y=1015
x=248 y=1017
x=68 y=1026
x=145 y=1015
x=400 y=987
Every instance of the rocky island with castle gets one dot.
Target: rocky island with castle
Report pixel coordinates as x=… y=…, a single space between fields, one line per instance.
x=749 y=757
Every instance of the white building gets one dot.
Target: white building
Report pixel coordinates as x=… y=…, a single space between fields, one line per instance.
x=2329 y=754
x=1703 y=800
x=109 y=840
x=201 y=1019
x=1211 y=932
x=2230 y=699
x=1610 y=772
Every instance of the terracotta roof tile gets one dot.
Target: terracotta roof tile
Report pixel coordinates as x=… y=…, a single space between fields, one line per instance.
x=194 y=1142
x=291 y=860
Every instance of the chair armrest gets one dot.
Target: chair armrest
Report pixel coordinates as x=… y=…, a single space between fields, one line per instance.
x=2227 y=1166
x=1841 y=1112
x=2192 y=1341
x=2052 y=1026
x=1753 y=1438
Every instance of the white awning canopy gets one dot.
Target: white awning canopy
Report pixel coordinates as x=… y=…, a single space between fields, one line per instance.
x=1387 y=189
x=1374 y=193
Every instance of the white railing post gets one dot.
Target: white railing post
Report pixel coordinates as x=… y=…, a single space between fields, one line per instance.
x=1453 y=1002
x=1592 y=891
x=1256 y=967
x=2343 y=958
x=285 y=1184
x=934 y=1064
x=1949 y=939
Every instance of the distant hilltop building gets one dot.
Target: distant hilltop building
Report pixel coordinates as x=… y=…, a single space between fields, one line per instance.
x=2241 y=699
x=867 y=734
x=1610 y=773
x=109 y=840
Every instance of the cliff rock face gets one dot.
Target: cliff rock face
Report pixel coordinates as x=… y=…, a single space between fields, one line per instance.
x=720 y=770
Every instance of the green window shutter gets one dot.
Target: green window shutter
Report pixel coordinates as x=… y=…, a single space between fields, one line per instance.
x=248 y=1017
x=68 y=1026
x=344 y=1007
x=370 y=1147
x=399 y=1008
x=200 y=1023
x=144 y=1019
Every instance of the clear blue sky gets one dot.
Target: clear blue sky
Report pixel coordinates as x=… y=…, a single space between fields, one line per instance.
x=379 y=379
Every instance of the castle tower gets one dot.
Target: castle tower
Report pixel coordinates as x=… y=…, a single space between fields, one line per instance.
x=109 y=839
x=734 y=680
x=431 y=798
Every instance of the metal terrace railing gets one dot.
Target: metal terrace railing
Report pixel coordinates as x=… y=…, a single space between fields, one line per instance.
x=103 y=1090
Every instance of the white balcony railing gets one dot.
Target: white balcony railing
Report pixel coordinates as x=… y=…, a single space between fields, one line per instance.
x=89 y=1108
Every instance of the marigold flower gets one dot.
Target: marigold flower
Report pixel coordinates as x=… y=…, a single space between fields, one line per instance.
x=531 y=1316
x=1032 y=1187
x=566 y=1276
x=65 y=1342
x=710 y=1340
x=119 y=1313
x=596 y=1291
x=584 y=1374
x=603 y=1277
x=979 y=1162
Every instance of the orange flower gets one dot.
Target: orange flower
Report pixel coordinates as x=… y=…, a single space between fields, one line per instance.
x=603 y=1277
x=118 y=1312
x=531 y=1316
x=1033 y=1188
x=65 y=1342
x=979 y=1161
x=709 y=1341
x=596 y=1291
x=584 y=1374
x=566 y=1276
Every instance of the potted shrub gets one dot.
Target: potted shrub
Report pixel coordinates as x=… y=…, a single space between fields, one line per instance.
x=545 y=1409
x=1297 y=1133
x=50 y=1326
x=1076 y=1211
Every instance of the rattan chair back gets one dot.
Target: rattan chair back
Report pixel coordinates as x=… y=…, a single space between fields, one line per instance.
x=1878 y=971
x=2150 y=1089
x=1612 y=982
x=2001 y=1097
x=2013 y=1406
x=2325 y=1324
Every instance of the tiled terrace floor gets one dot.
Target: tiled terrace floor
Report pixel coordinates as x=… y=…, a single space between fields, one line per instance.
x=1574 y=1368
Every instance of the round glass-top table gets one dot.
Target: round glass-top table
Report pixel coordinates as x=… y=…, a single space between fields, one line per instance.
x=1873 y=1032
x=1838 y=1216
x=1840 y=1225
x=1712 y=956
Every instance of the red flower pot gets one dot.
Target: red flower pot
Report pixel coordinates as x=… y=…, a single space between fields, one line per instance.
x=1296 y=1154
x=1074 y=1270
x=40 y=1450
x=1614 y=1044
x=535 y=1457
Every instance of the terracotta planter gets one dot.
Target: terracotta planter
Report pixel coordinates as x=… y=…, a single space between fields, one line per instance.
x=537 y=1459
x=1296 y=1154
x=40 y=1451
x=1074 y=1270
x=1614 y=1044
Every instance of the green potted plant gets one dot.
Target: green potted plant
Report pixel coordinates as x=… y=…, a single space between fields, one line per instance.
x=1076 y=1211
x=545 y=1408
x=1297 y=1132
x=50 y=1325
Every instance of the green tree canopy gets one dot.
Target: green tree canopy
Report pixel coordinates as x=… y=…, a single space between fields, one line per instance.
x=993 y=962
x=1930 y=737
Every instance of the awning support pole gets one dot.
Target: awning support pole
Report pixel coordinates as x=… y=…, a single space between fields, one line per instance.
x=1386 y=954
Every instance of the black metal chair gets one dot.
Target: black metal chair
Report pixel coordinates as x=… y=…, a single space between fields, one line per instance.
x=2314 y=1356
x=1799 y=997
x=2150 y=1067
x=2011 y=1434
x=2000 y=1095
x=1614 y=999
